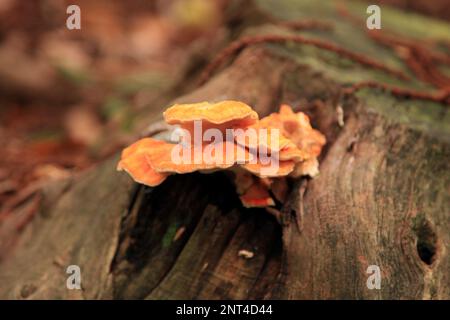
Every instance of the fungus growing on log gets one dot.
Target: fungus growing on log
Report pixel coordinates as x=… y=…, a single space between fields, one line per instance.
x=135 y=162
x=297 y=128
x=257 y=196
x=261 y=154
x=222 y=115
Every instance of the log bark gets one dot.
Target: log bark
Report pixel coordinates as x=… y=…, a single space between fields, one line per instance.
x=382 y=196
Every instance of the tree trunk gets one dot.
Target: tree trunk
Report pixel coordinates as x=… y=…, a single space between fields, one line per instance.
x=382 y=196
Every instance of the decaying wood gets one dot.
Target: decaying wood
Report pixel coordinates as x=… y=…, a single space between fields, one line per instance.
x=382 y=198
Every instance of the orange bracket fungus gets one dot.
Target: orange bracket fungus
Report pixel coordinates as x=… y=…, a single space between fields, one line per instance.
x=262 y=154
x=222 y=115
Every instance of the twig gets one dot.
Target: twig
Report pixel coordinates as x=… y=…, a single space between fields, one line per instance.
x=418 y=57
x=305 y=24
x=441 y=96
x=238 y=45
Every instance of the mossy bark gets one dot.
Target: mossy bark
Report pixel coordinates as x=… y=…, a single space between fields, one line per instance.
x=382 y=197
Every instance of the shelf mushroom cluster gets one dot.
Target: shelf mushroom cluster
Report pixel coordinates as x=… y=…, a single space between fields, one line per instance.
x=150 y=161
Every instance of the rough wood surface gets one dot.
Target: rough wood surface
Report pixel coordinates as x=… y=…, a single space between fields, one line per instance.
x=382 y=197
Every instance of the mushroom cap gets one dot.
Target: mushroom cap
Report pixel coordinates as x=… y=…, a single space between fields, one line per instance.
x=218 y=155
x=265 y=170
x=215 y=113
x=257 y=196
x=292 y=152
x=258 y=137
x=306 y=137
x=297 y=128
x=135 y=163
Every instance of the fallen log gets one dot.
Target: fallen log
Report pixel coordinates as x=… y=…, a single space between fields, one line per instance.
x=381 y=198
